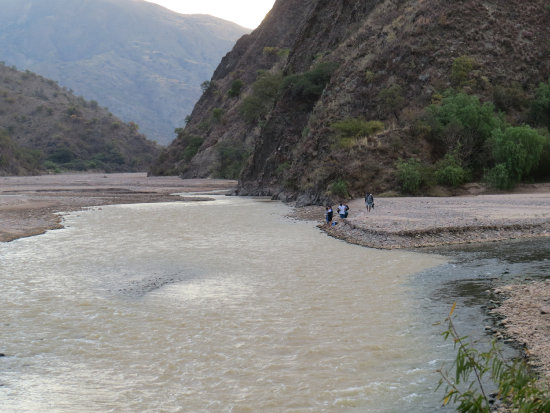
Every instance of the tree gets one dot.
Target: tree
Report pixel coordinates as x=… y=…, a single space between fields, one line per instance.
x=409 y=175
x=207 y=86
x=519 y=149
x=463 y=124
x=392 y=99
x=236 y=88
x=540 y=107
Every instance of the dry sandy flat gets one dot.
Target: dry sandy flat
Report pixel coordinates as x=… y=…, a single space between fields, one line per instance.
x=404 y=222
x=28 y=205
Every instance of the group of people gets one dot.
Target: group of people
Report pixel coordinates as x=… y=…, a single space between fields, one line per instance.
x=343 y=209
x=342 y=212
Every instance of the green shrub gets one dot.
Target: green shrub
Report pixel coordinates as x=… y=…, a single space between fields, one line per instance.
x=51 y=166
x=76 y=165
x=498 y=177
x=270 y=50
x=111 y=155
x=370 y=76
x=473 y=371
x=192 y=146
x=264 y=92
x=540 y=107
x=72 y=110
x=543 y=170
x=410 y=175
x=208 y=86
x=61 y=156
x=217 y=114
x=349 y=130
x=236 y=87
x=284 y=52
x=462 y=123
x=519 y=149
x=356 y=127
x=509 y=97
x=420 y=128
x=460 y=70
x=267 y=85
x=253 y=108
x=232 y=158
x=309 y=86
x=392 y=99
x=282 y=168
x=450 y=172
x=339 y=189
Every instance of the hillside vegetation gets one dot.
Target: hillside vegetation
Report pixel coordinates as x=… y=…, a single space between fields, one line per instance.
x=143 y=62
x=331 y=99
x=44 y=127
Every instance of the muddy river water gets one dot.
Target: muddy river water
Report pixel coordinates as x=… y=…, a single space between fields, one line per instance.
x=219 y=306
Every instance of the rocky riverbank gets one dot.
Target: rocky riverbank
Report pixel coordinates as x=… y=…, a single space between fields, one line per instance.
x=525 y=310
x=406 y=222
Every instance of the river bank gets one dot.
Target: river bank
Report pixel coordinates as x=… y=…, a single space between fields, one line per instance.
x=413 y=222
x=525 y=309
x=30 y=205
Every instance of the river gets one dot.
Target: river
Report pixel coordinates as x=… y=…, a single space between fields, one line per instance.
x=219 y=306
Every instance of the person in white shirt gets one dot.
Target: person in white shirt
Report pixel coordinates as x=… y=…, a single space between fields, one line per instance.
x=341 y=210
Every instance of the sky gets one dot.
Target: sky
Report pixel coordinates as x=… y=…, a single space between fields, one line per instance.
x=247 y=13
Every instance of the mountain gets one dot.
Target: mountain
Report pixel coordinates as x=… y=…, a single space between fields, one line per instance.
x=142 y=61
x=45 y=127
x=330 y=99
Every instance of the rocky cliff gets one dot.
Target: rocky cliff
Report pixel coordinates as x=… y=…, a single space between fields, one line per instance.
x=326 y=96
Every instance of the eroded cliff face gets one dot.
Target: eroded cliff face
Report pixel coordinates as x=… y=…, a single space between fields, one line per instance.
x=270 y=110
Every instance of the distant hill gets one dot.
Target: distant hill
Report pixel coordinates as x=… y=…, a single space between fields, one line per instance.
x=45 y=127
x=142 y=61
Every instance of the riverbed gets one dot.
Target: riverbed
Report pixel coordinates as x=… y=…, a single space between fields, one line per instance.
x=224 y=306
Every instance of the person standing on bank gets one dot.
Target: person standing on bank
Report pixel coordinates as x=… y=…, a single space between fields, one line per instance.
x=328 y=215
x=342 y=210
x=369 y=201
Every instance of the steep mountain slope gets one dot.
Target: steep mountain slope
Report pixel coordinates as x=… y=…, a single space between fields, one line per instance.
x=144 y=62
x=44 y=126
x=345 y=86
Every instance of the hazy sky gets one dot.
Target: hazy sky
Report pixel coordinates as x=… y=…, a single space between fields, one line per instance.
x=247 y=13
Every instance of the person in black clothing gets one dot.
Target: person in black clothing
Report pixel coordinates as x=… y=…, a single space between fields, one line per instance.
x=328 y=215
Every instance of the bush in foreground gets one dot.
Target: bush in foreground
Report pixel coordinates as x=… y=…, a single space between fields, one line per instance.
x=465 y=382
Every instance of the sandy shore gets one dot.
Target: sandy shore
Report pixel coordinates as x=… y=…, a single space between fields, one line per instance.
x=29 y=205
x=421 y=222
